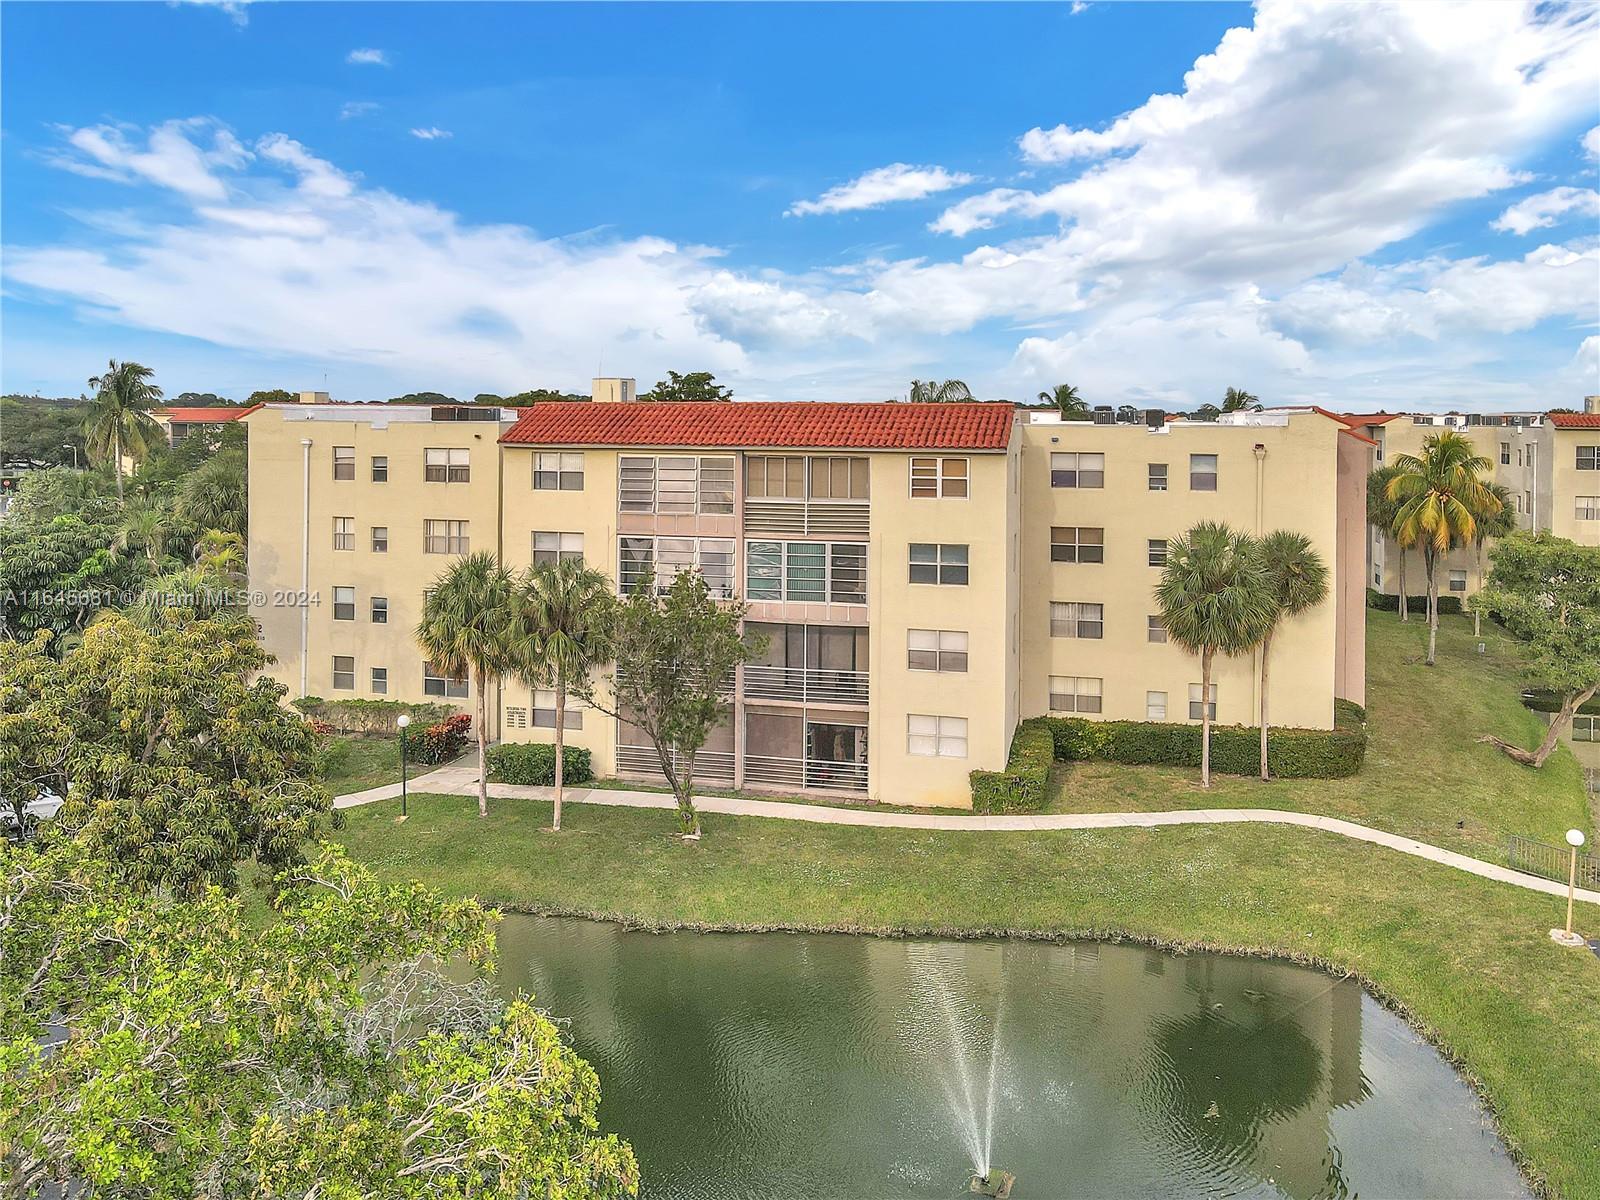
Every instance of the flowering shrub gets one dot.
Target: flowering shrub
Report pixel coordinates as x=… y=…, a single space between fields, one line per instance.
x=442 y=742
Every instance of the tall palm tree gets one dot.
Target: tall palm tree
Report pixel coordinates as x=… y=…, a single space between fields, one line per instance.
x=1440 y=496
x=563 y=610
x=119 y=420
x=213 y=495
x=144 y=530
x=470 y=625
x=1239 y=400
x=1297 y=579
x=933 y=391
x=1491 y=526
x=1381 y=513
x=1067 y=401
x=1214 y=599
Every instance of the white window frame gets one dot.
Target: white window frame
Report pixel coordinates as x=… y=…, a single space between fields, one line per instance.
x=558 y=471
x=1586 y=508
x=1154 y=547
x=447 y=464
x=544 y=711
x=951 y=563
x=557 y=546
x=1457 y=581
x=1077 y=619
x=379 y=604
x=1077 y=469
x=679 y=554
x=380 y=539
x=347 y=674
x=930 y=736
x=344 y=462
x=1155 y=630
x=932 y=478
x=1155 y=710
x=1073 y=548
x=1589 y=453
x=679 y=484
x=844 y=571
x=1194 y=702
x=344 y=533
x=380 y=681
x=1077 y=694
x=380 y=473
x=1153 y=481
x=1198 y=478
x=942 y=651
x=452 y=687
x=446 y=536
x=344 y=604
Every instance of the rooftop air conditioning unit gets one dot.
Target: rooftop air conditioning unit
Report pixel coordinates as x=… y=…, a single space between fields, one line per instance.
x=1155 y=418
x=1103 y=415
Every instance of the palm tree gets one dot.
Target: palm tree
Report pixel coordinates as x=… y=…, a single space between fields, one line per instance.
x=213 y=496
x=563 y=608
x=119 y=419
x=144 y=529
x=1215 y=599
x=1381 y=514
x=1440 y=495
x=1297 y=579
x=1064 y=396
x=1491 y=526
x=1239 y=400
x=932 y=391
x=470 y=623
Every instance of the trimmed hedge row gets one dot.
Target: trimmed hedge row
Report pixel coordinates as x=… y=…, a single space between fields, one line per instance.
x=370 y=716
x=1383 y=602
x=1024 y=785
x=535 y=763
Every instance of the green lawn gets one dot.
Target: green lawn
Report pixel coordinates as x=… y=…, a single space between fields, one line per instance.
x=353 y=764
x=1468 y=959
x=1425 y=776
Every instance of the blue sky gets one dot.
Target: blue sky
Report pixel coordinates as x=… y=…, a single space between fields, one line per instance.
x=1359 y=206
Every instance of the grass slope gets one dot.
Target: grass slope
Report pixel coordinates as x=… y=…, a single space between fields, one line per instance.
x=354 y=764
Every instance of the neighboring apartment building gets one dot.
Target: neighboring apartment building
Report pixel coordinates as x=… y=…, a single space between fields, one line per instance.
x=924 y=575
x=178 y=423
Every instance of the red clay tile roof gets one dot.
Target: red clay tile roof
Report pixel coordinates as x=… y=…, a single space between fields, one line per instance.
x=207 y=416
x=1575 y=420
x=813 y=425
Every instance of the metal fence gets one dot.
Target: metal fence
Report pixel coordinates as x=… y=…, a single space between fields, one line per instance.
x=1552 y=862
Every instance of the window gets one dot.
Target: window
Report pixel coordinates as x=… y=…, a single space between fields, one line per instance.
x=1156 y=552
x=936 y=650
x=1073 y=620
x=932 y=477
x=380 y=468
x=380 y=680
x=1505 y=454
x=544 y=712
x=1519 y=456
x=1585 y=728
x=380 y=539
x=557 y=547
x=665 y=557
x=675 y=485
x=1458 y=581
x=1077 y=470
x=558 y=472
x=1589 y=458
x=1195 y=713
x=344 y=465
x=380 y=610
x=775 y=477
x=1158 y=477
x=936 y=737
x=838 y=478
x=451 y=465
x=1586 y=508
x=436 y=683
x=1155 y=706
x=812 y=571
x=938 y=563
x=1202 y=472
x=344 y=533
x=1155 y=628
x=344 y=605
x=1077 y=544
x=1527 y=500
x=445 y=537
x=344 y=673
x=1072 y=693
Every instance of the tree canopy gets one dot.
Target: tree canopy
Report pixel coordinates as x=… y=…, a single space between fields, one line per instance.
x=41 y=433
x=696 y=385
x=937 y=391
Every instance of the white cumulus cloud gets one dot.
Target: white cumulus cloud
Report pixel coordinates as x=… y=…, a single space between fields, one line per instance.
x=367 y=56
x=880 y=186
x=431 y=133
x=1545 y=209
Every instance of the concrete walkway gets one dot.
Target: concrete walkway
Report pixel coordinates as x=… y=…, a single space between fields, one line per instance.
x=463 y=781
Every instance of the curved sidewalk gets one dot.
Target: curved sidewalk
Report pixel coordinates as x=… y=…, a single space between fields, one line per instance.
x=463 y=781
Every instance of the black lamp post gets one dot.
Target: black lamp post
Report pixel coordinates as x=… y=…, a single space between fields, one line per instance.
x=402 y=721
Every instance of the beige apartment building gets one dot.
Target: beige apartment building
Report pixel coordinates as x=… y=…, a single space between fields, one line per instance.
x=925 y=576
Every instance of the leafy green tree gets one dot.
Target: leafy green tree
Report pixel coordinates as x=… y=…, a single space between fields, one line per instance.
x=696 y=385
x=1069 y=404
x=1297 y=580
x=422 y=398
x=202 y=400
x=270 y=396
x=1215 y=598
x=160 y=1048
x=144 y=530
x=1440 y=495
x=676 y=650
x=42 y=433
x=1382 y=513
x=1491 y=526
x=471 y=625
x=61 y=491
x=174 y=755
x=118 y=421
x=549 y=395
x=563 y=608
x=1239 y=400
x=933 y=391
x=213 y=496
x=58 y=571
x=1545 y=590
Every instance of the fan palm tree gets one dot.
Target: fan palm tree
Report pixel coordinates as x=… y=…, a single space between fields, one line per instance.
x=119 y=420
x=144 y=530
x=563 y=608
x=1215 y=599
x=1239 y=400
x=1297 y=579
x=933 y=391
x=1069 y=404
x=1440 y=496
x=1381 y=512
x=213 y=496
x=1491 y=526
x=470 y=625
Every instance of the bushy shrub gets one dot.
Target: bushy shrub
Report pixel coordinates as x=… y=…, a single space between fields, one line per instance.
x=371 y=716
x=1024 y=785
x=535 y=763
x=1235 y=749
x=445 y=741
x=1383 y=602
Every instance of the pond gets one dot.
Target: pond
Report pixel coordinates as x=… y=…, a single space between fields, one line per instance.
x=779 y=1065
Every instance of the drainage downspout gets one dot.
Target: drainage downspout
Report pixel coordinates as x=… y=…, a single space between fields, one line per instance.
x=1261 y=518
x=305 y=558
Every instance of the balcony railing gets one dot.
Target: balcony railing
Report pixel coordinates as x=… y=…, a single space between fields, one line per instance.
x=715 y=765
x=766 y=771
x=806 y=685
x=817 y=518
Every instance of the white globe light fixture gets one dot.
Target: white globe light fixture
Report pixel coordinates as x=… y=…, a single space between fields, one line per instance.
x=403 y=720
x=1567 y=937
